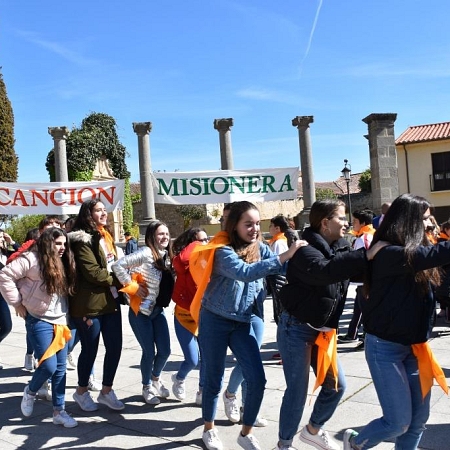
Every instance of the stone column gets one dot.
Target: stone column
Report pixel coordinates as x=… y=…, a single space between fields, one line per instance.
x=59 y=135
x=226 y=154
x=306 y=166
x=142 y=129
x=383 y=158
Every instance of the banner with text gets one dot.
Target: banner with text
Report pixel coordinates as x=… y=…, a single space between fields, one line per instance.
x=225 y=186
x=58 y=197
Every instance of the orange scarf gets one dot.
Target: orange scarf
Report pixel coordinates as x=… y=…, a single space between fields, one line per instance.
x=200 y=265
x=429 y=368
x=365 y=229
x=184 y=317
x=276 y=238
x=326 y=357
x=62 y=335
x=131 y=289
x=108 y=240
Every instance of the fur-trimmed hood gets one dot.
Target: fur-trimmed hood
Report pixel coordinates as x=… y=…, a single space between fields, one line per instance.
x=80 y=236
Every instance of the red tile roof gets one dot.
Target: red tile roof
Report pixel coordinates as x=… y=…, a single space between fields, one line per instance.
x=425 y=133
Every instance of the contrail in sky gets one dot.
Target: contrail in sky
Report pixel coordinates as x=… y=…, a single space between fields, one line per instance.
x=316 y=18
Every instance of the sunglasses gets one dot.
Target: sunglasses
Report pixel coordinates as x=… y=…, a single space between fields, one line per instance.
x=203 y=240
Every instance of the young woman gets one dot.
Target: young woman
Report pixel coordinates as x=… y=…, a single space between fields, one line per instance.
x=398 y=321
x=185 y=326
x=37 y=283
x=95 y=306
x=147 y=277
x=313 y=300
x=235 y=289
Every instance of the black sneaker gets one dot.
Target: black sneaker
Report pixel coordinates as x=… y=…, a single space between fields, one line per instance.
x=345 y=339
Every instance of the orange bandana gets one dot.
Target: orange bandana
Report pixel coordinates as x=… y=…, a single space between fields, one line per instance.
x=276 y=238
x=200 y=265
x=62 y=336
x=365 y=229
x=131 y=289
x=108 y=240
x=429 y=368
x=326 y=356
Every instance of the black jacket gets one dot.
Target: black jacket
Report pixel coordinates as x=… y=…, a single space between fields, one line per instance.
x=317 y=278
x=397 y=310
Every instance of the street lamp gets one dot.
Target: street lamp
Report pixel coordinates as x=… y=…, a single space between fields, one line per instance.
x=346 y=173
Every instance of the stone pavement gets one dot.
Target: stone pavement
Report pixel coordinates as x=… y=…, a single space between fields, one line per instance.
x=176 y=425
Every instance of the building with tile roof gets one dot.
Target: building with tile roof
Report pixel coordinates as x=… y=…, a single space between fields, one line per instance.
x=423 y=155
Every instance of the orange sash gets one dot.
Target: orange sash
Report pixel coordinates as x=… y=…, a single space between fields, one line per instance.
x=108 y=240
x=62 y=336
x=326 y=357
x=429 y=368
x=200 y=265
x=131 y=289
x=184 y=317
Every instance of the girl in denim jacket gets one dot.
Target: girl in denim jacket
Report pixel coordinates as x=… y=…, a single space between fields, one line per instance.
x=236 y=289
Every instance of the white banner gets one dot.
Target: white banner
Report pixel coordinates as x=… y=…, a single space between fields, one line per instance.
x=225 y=186
x=58 y=198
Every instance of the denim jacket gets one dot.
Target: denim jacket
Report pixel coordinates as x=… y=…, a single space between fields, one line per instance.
x=237 y=289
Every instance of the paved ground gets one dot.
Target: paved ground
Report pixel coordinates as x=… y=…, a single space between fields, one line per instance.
x=176 y=425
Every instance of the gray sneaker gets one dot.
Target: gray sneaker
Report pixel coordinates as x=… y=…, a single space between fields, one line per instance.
x=85 y=401
x=110 y=400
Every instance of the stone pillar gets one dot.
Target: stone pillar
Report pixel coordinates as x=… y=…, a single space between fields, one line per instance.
x=306 y=166
x=59 y=135
x=142 y=129
x=226 y=154
x=383 y=158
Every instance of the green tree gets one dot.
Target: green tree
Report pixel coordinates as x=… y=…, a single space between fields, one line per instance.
x=9 y=161
x=365 y=181
x=190 y=213
x=19 y=226
x=96 y=137
x=323 y=194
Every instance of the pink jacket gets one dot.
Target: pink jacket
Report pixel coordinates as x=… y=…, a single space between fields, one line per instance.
x=21 y=283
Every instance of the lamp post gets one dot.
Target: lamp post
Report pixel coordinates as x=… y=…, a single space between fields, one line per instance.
x=346 y=173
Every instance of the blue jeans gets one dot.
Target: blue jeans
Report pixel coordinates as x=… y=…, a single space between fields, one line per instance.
x=237 y=377
x=151 y=331
x=216 y=334
x=110 y=327
x=191 y=352
x=5 y=319
x=298 y=352
x=41 y=335
x=395 y=375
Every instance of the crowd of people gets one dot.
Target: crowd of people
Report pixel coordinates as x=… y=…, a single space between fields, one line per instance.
x=69 y=283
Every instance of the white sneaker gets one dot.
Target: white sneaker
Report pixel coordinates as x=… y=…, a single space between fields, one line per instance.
x=71 y=364
x=64 y=419
x=231 y=408
x=110 y=400
x=94 y=385
x=30 y=362
x=178 y=387
x=348 y=435
x=160 y=389
x=150 y=395
x=211 y=440
x=198 y=398
x=85 y=401
x=259 y=421
x=27 y=404
x=248 y=442
x=321 y=440
x=45 y=391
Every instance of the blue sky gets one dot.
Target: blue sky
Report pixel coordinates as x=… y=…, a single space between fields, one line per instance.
x=180 y=65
